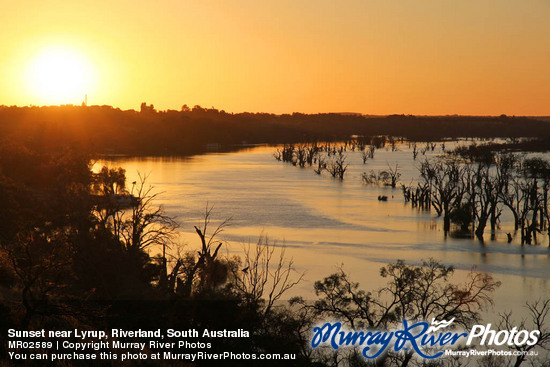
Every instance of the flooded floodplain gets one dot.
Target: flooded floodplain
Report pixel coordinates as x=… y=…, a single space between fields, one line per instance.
x=326 y=223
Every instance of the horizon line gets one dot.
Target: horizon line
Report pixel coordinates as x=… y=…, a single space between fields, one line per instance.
x=343 y=113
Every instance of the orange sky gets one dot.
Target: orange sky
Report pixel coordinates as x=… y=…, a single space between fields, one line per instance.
x=370 y=56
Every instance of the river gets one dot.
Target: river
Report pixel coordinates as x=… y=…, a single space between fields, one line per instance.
x=325 y=223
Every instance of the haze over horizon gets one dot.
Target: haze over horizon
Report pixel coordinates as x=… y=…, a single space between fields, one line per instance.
x=371 y=57
x=269 y=112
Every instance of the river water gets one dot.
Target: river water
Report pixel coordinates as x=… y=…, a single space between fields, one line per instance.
x=326 y=223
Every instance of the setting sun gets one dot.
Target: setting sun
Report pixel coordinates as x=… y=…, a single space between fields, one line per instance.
x=59 y=76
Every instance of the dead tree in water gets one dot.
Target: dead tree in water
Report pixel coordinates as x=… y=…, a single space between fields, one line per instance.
x=364 y=156
x=389 y=177
x=301 y=156
x=337 y=168
x=537 y=171
x=477 y=188
x=486 y=188
x=513 y=197
x=394 y=175
x=419 y=196
x=311 y=152
x=286 y=154
x=444 y=180
x=372 y=149
x=321 y=164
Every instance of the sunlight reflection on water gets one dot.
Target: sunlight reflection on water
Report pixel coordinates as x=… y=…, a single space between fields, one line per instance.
x=324 y=222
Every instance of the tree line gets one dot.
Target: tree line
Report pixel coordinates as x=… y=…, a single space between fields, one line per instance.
x=108 y=130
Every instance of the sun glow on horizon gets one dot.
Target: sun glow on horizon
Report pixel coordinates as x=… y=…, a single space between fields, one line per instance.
x=59 y=75
x=375 y=57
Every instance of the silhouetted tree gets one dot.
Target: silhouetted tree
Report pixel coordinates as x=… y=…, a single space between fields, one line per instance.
x=262 y=276
x=338 y=166
x=412 y=292
x=446 y=187
x=538 y=319
x=144 y=108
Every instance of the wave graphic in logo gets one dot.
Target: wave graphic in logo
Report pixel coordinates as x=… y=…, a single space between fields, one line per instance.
x=436 y=325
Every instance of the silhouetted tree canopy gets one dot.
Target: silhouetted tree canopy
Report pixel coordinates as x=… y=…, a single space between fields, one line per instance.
x=104 y=129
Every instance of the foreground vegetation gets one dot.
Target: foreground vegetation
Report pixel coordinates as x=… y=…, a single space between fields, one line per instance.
x=78 y=250
x=92 y=251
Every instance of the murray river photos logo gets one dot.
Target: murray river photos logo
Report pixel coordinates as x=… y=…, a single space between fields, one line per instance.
x=428 y=340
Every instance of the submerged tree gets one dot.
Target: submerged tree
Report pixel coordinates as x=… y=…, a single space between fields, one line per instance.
x=388 y=177
x=392 y=174
x=338 y=166
x=445 y=179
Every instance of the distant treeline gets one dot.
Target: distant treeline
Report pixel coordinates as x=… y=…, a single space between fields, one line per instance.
x=104 y=129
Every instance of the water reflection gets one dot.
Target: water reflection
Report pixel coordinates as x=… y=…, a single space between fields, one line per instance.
x=326 y=222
